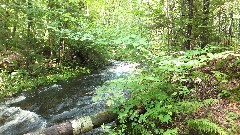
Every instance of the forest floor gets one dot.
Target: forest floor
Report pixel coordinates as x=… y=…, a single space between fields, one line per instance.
x=222 y=82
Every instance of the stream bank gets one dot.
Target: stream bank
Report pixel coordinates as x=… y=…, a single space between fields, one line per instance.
x=58 y=102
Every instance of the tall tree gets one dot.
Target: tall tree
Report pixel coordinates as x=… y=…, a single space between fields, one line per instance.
x=29 y=21
x=205 y=20
x=189 y=25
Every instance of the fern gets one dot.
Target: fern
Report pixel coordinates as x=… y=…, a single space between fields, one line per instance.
x=204 y=125
x=190 y=106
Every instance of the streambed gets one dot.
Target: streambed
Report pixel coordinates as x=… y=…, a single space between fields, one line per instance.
x=46 y=106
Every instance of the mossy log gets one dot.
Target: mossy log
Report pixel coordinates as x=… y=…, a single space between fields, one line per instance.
x=78 y=126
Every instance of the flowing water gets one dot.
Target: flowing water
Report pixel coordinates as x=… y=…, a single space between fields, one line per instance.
x=43 y=107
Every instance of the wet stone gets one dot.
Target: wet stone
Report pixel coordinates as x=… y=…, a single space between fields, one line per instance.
x=13 y=118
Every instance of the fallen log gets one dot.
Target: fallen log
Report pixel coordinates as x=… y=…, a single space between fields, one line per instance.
x=78 y=126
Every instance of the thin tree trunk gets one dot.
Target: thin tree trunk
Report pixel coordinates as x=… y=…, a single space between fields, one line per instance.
x=224 y=28
x=29 y=24
x=87 y=10
x=183 y=18
x=60 y=47
x=230 y=29
x=219 y=23
x=168 y=29
x=5 y=30
x=14 y=29
x=219 y=26
x=189 y=26
x=29 y=35
x=238 y=35
x=205 y=34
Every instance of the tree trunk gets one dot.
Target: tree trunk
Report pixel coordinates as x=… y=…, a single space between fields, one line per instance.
x=205 y=34
x=189 y=26
x=29 y=24
x=78 y=126
x=238 y=35
x=230 y=33
x=60 y=47
x=29 y=42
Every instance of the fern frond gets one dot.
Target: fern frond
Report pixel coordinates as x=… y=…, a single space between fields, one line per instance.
x=190 y=106
x=205 y=125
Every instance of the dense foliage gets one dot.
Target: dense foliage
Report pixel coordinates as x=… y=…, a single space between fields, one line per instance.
x=182 y=45
x=163 y=96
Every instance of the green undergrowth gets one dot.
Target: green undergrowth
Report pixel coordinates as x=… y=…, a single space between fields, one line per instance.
x=21 y=80
x=204 y=126
x=160 y=98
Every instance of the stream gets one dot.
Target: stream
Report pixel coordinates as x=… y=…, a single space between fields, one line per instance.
x=48 y=105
